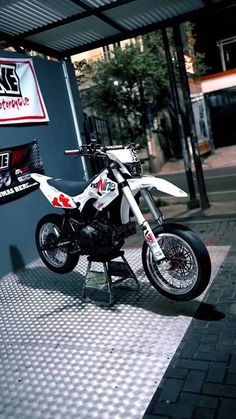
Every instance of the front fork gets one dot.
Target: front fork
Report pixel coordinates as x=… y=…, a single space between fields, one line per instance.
x=155 y=211
x=149 y=237
x=147 y=231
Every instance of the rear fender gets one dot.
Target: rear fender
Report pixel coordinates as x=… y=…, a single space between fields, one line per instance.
x=40 y=178
x=56 y=198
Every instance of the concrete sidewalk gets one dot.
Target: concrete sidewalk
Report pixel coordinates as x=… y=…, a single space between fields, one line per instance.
x=221 y=157
x=177 y=208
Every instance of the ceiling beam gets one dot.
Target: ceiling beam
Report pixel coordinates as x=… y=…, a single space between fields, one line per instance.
x=96 y=12
x=78 y=16
x=131 y=33
x=17 y=41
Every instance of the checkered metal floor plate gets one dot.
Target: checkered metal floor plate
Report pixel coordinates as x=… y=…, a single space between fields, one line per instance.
x=63 y=358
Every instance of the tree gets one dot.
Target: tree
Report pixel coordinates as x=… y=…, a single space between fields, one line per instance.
x=128 y=86
x=130 y=89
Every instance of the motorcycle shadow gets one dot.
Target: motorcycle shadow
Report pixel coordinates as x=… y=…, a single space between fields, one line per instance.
x=66 y=292
x=52 y=290
x=150 y=300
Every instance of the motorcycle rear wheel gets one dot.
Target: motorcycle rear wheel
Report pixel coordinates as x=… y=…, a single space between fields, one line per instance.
x=47 y=236
x=185 y=272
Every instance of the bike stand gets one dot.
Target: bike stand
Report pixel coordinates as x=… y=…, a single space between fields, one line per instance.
x=96 y=282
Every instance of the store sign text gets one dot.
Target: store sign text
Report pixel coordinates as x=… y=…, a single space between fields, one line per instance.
x=4 y=160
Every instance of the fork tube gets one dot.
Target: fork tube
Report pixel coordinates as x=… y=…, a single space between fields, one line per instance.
x=147 y=231
x=129 y=196
x=156 y=212
x=133 y=205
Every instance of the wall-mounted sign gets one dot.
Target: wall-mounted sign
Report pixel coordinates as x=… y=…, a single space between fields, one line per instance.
x=21 y=100
x=201 y=123
x=16 y=164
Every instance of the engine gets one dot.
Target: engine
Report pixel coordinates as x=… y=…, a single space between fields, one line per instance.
x=101 y=239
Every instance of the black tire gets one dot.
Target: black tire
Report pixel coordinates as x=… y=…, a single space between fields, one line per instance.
x=48 y=231
x=185 y=272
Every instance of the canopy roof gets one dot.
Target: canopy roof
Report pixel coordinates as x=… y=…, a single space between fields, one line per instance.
x=61 y=28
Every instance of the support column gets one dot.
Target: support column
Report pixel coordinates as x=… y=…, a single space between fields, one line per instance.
x=193 y=202
x=193 y=137
x=74 y=116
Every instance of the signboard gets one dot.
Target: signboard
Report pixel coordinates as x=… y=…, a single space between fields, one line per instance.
x=21 y=100
x=201 y=123
x=16 y=164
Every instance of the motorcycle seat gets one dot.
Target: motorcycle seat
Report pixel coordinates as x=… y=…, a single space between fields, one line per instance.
x=70 y=187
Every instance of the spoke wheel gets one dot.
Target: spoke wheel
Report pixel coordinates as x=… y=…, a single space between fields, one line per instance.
x=48 y=238
x=185 y=271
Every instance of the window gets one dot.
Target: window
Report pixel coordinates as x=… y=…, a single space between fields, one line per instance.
x=228 y=53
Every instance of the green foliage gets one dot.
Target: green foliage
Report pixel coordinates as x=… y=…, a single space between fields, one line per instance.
x=126 y=85
x=189 y=40
x=131 y=87
x=199 y=66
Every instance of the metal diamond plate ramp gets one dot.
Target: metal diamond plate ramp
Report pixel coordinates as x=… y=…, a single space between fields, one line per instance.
x=63 y=358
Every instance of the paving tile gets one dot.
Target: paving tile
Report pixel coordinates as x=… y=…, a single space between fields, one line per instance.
x=194 y=381
x=203 y=413
x=189 y=349
x=199 y=400
x=213 y=356
x=178 y=373
x=230 y=379
x=192 y=364
x=210 y=338
x=171 y=391
x=219 y=390
x=226 y=409
x=207 y=347
x=183 y=411
x=217 y=372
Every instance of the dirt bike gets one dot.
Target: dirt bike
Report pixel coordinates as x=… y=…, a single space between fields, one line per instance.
x=98 y=216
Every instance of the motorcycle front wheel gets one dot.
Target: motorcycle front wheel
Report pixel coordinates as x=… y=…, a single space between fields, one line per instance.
x=185 y=272
x=56 y=256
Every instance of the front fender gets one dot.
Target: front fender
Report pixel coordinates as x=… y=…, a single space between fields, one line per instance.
x=148 y=182
x=161 y=185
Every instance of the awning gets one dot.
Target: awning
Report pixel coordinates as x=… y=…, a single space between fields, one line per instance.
x=61 y=28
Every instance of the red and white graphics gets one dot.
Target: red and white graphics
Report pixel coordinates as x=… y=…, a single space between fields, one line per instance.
x=63 y=201
x=104 y=189
x=57 y=198
x=152 y=242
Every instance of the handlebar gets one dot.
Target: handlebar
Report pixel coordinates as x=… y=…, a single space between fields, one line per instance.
x=85 y=151
x=72 y=152
x=96 y=149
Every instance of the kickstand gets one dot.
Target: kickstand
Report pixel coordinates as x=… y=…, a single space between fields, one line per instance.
x=98 y=285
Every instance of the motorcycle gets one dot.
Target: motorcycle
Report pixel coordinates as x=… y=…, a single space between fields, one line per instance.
x=100 y=214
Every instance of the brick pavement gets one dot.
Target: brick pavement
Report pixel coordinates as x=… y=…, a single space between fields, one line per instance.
x=200 y=382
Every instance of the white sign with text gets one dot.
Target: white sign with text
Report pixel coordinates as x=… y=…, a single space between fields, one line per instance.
x=21 y=100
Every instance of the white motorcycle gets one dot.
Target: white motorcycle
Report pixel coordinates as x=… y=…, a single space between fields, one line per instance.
x=97 y=219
